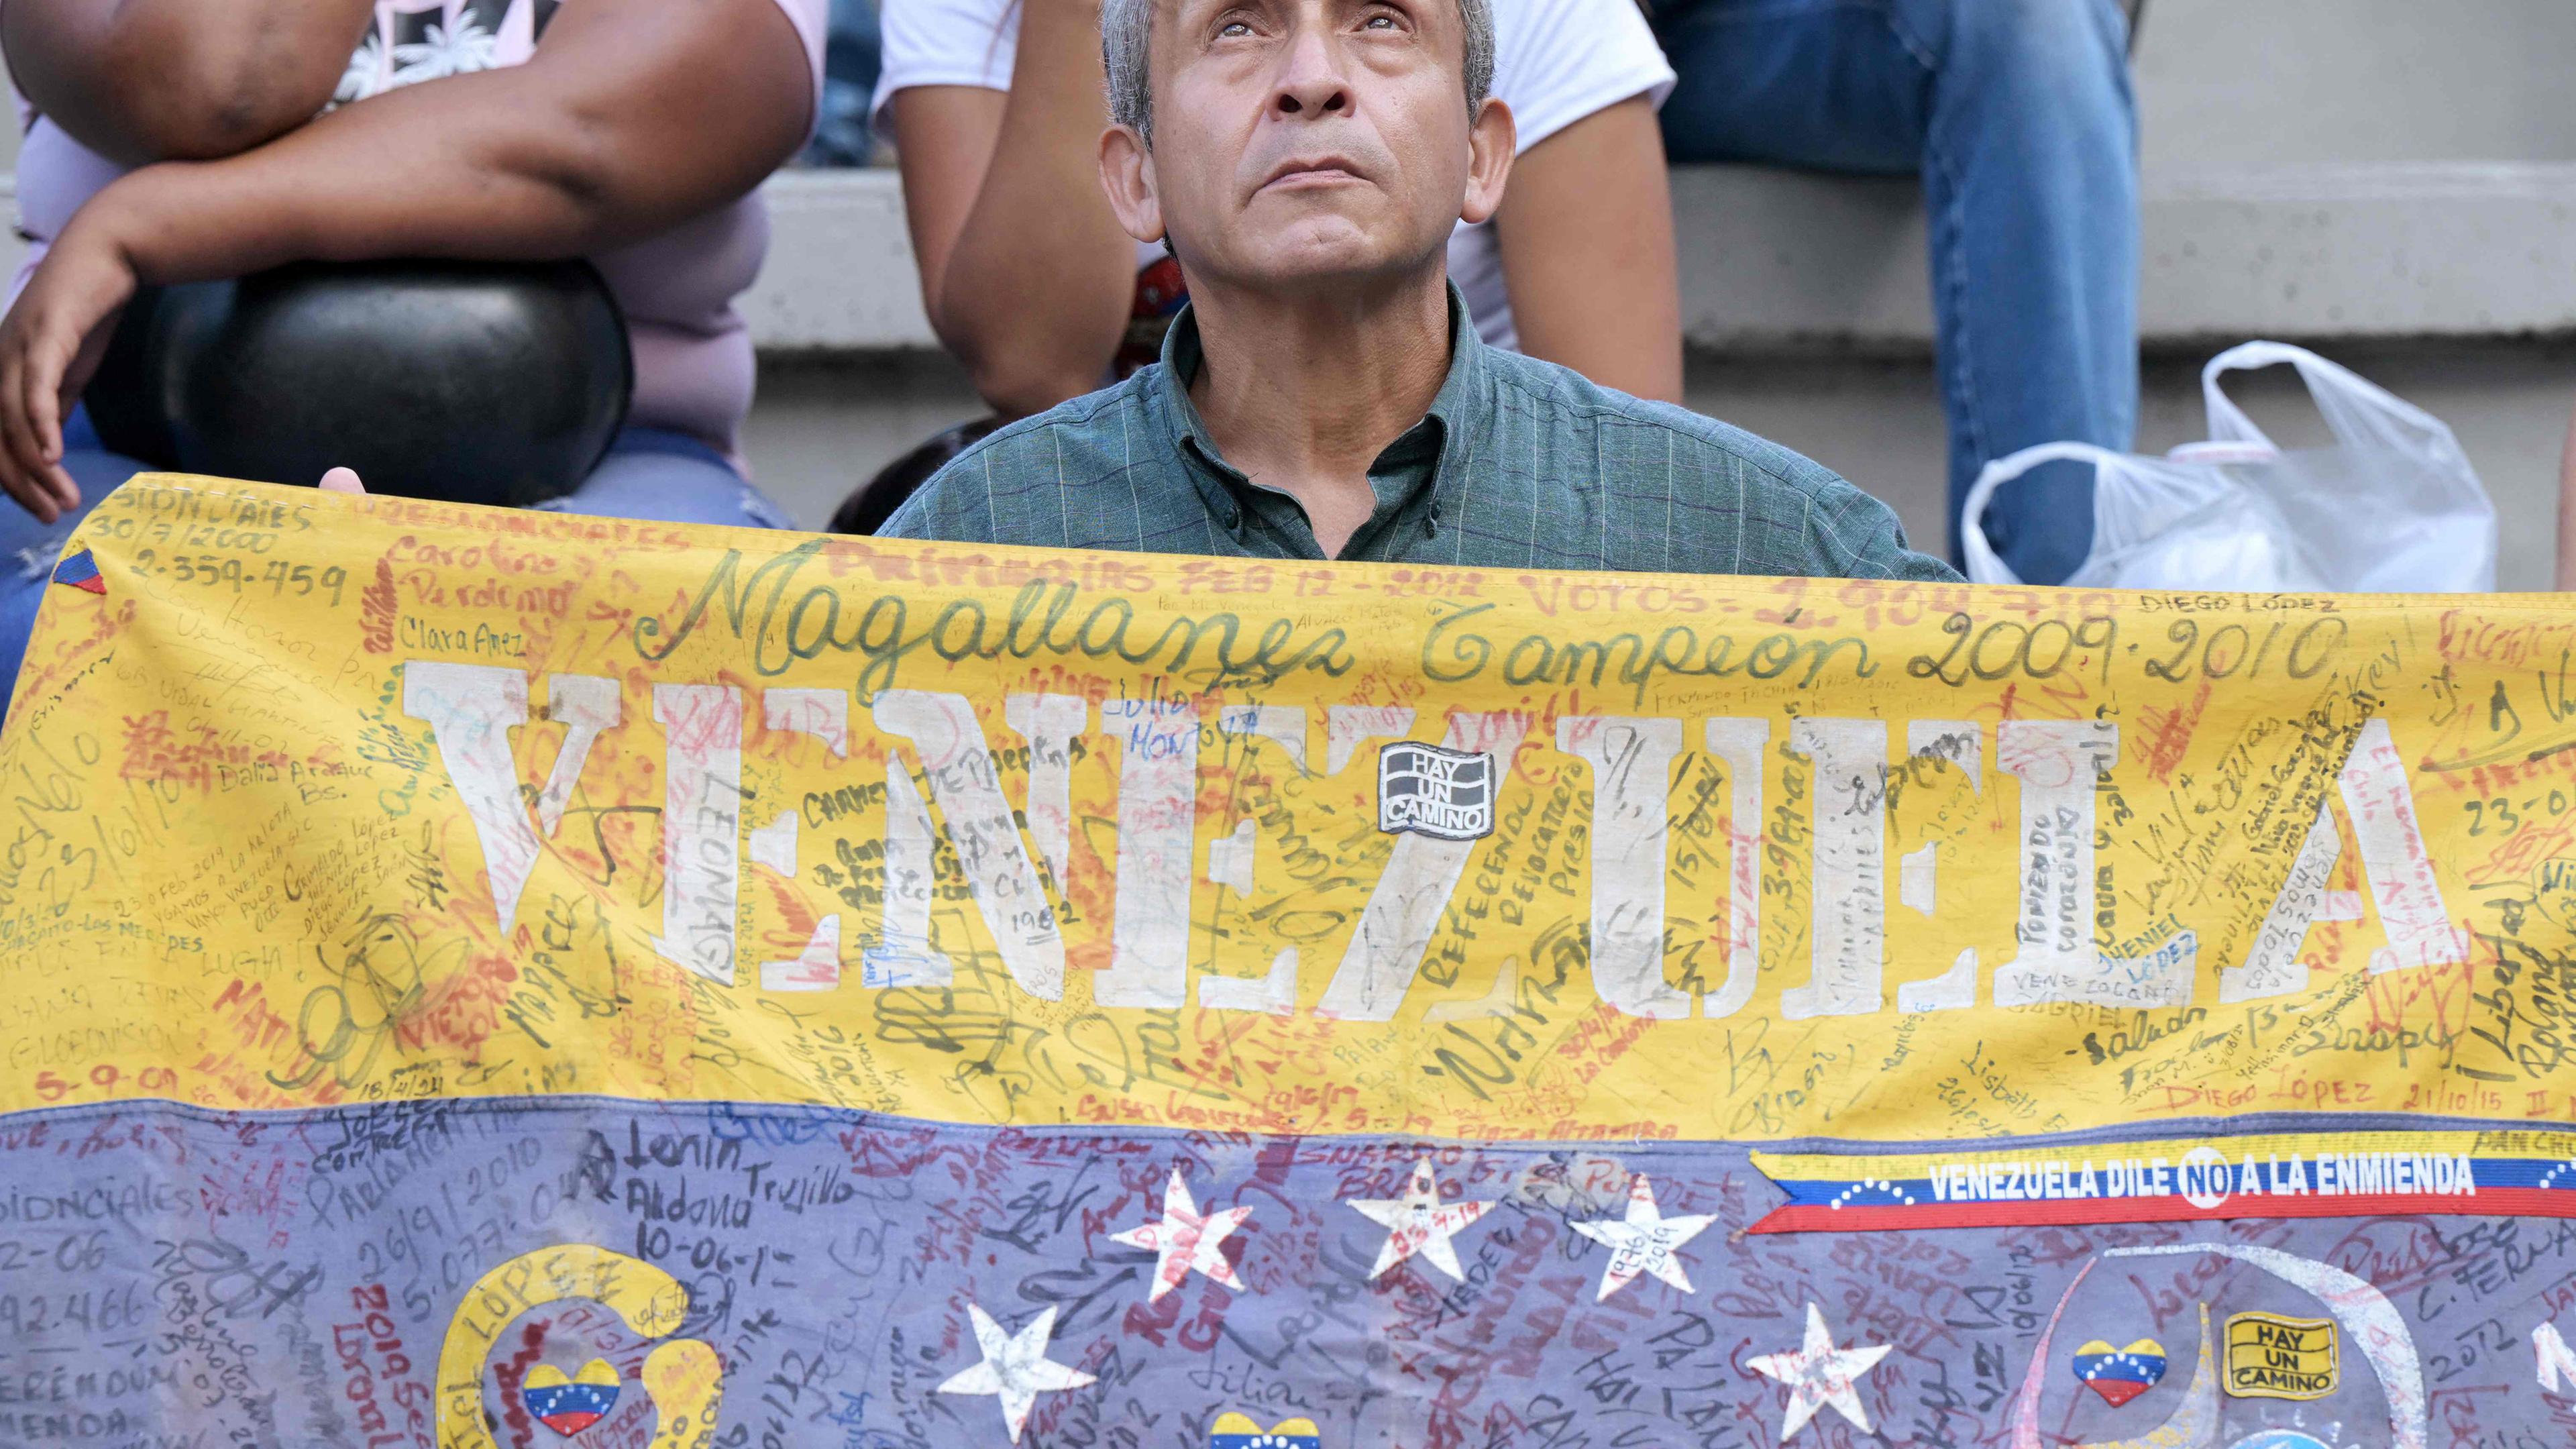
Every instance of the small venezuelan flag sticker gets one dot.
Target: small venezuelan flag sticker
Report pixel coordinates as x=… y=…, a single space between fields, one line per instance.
x=569 y=1405
x=81 y=572
x=2120 y=1374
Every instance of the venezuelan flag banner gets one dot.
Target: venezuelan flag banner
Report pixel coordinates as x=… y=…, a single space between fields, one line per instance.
x=483 y=979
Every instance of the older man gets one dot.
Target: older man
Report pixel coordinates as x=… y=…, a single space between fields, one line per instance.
x=1324 y=396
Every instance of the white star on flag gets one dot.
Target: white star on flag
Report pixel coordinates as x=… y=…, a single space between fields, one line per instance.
x=1819 y=1374
x=1184 y=1242
x=1015 y=1366
x=1418 y=1223
x=1643 y=1242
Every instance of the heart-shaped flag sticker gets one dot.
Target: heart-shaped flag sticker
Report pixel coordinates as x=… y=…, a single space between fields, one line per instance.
x=1241 y=1431
x=2120 y=1374
x=570 y=1405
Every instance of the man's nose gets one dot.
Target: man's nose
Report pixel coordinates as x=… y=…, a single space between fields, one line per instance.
x=1311 y=80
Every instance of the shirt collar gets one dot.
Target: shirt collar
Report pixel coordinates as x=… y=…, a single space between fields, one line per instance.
x=1459 y=408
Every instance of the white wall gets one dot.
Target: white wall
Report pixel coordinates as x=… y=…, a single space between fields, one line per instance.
x=2229 y=85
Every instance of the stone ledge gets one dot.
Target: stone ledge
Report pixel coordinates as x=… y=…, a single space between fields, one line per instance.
x=1786 y=261
x=1774 y=259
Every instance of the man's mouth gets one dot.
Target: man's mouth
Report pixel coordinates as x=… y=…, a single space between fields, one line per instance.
x=1299 y=173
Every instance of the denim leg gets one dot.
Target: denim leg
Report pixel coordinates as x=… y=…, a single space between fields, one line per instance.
x=2031 y=186
x=669 y=479
x=2018 y=116
x=29 y=550
x=853 y=51
x=1831 y=85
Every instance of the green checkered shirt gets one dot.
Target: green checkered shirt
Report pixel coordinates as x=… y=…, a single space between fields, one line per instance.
x=1519 y=464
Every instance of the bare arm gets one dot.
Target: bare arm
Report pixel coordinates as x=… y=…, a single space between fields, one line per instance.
x=1024 y=271
x=635 y=115
x=1586 y=234
x=153 y=80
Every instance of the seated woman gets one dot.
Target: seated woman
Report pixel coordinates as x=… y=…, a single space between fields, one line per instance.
x=173 y=141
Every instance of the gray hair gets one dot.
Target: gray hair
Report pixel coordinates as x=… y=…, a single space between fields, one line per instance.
x=1127 y=32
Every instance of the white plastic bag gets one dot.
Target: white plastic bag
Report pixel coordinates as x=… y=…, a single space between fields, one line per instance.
x=2392 y=507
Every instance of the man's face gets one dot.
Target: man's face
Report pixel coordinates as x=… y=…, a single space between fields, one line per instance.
x=1308 y=141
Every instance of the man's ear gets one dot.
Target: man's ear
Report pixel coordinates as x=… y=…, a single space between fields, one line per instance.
x=1127 y=174
x=1490 y=142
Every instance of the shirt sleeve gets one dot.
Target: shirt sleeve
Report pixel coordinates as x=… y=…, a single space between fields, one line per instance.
x=952 y=505
x=813 y=22
x=1852 y=535
x=943 y=43
x=1558 y=61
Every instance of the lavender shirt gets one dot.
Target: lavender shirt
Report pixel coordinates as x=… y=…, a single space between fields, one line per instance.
x=693 y=363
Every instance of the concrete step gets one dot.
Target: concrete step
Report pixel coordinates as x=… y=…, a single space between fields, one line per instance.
x=1776 y=261
x=825 y=422
x=1787 y=261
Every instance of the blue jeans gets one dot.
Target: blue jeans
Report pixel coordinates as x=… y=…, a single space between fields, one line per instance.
x=2017 y=115
x=648 y=474
x=853 y=51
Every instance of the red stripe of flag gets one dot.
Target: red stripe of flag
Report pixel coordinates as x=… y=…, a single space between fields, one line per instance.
x=2501 y=1202
x=80 y=570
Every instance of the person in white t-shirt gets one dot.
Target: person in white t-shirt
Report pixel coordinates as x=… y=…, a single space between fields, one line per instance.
x=995 y=109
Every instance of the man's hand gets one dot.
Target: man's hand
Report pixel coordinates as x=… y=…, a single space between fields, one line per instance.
x=49 y=345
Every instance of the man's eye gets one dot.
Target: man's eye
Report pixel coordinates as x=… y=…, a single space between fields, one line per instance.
x=1233 y=28
x=1380 y=22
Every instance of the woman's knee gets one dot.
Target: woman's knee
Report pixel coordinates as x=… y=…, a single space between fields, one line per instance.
x=2049 y=45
